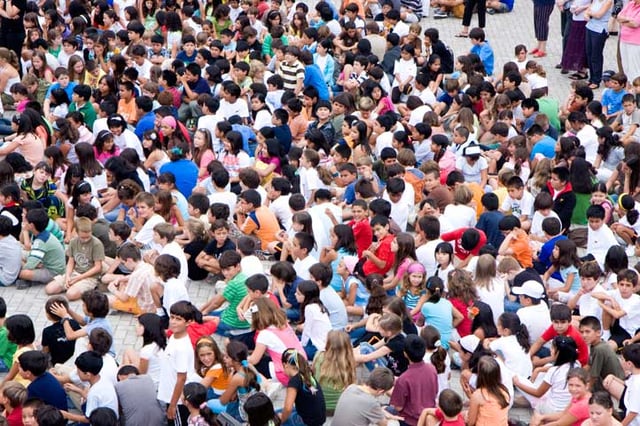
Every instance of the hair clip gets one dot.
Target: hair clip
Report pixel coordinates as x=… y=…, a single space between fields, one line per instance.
x=437 y=344
x=244 y=363
x=176 y=150
x=202 y=406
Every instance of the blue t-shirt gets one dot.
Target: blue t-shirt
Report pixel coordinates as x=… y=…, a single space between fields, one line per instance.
x=68 y=89
x=313 y=77
x=439 y=315
x=544 y=257
x=564 y=273
x=545 y=146
x=48 y=389
x=613 y=100
x=488 y=222
x=508 y=3
x=104 y=324
x=186 y=173
x=485 y=52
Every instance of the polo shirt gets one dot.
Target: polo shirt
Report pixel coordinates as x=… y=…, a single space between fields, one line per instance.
x=415 y=390
x=583 y=350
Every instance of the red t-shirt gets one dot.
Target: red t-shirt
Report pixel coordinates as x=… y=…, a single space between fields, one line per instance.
x=456 y=236
x=196 y=330
x=15 y=418
x=583 y=350
x=383 y=252
x=459 y=421
x=363 y=235
x=464 y=328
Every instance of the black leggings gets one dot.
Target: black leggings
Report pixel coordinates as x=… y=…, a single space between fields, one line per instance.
x=13 y=41
x=469 y=5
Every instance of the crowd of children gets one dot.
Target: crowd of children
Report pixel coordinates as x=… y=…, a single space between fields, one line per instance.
x=348 y=193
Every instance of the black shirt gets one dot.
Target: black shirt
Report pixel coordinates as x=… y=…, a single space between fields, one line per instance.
x=212 y=248
x=310 y=403
x=194 y=248
x=16 y=24
x=55 y=339
x=397 y=362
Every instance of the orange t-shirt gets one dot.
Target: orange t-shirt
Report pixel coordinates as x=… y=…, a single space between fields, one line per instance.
x=128 y=110
x=522 y=251
x=263 y=224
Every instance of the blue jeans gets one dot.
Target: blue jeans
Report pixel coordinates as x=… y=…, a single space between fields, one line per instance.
x=595 y=45
x=510 y=306
x=367 y=348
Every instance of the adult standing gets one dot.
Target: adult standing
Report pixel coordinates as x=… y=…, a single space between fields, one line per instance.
x=541 y=13
x=597 y=17
x=469 y=7
x=629 y=19
x=12 y=31
x=574 y=56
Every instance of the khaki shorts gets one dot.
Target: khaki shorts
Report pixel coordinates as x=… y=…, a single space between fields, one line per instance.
x=82 y=285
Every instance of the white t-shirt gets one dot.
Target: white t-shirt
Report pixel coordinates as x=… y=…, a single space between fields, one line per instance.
x=558 y=395
x=401 y=210
x=632 y=398
x=599 y=242
x=460 y=216
x=316 y=327
x=493 y=297
x=101 y=394
x=589 y=305
x=443 y=378
x=302 y=266
x=152 y=353
x=176 y=358
x=322 y=224
x=631 y=321
x=280 y=207
x=472 y=173
x=174 y=249
x=520 y=207
x=536 y=222
x=144 y=70
x=145 y=235
x=128 y=139
x=426 y=255
x=514 y=355
x=536 y=318
x=174 y=291
x=225 y=197
x=251 y=265
x=589 y=140
x=384 y=140
x=309 y=182
x=239 y=108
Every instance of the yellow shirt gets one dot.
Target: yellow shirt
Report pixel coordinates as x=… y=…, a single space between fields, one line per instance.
x=16 y=355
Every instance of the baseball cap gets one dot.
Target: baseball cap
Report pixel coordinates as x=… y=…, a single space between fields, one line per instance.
x=350 y=263
x=606 y=76
x=530 y=288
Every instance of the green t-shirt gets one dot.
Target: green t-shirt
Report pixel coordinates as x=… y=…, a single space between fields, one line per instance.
x=235 y=291
x=7 y=349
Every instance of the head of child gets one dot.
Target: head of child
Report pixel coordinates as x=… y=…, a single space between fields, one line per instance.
x=600 y=409
x=444 y=254
x=380 y=226
x=32 y=364
x=220 y=230
x=249 y=200
x=83 y=227
x=181 y=314
x=282 y=273
x=515 y=188
x=294 y=363
x=509 y=325
x=95 y=304
x=151 y=328
x=207 y=354
x=167 y=267
x=259 y=409
x=307 y=293
x=414 y=348
x=590 y=330
x=321 y=273
x=145 y=205
x=20 y=330
x=559 y=178
x=380 y=380
x=230 y=264
x=565 y=254
x=100 y=341
x=29 y=408
x=303 y=243
x=414 y=279
x=390 y=325
x=163 y=234
x=627 y=281
x=578 y=383
x=560 y=318
x=590 y=273
x=119 y=232
x=194 y=395
x=595 y=216
x=246 y=246
x=631 y=357
x=89 y=364
x=450 y=404
x=55 y=300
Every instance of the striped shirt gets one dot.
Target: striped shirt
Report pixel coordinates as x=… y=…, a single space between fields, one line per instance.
x=291 y=74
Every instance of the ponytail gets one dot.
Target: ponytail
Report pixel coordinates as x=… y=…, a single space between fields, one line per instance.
x=522 y=335
x=438 y=358
x=209 y=416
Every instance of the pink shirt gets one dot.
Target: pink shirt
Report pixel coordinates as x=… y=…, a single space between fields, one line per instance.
x=627 y=34
x=31 y=148
x=579 y=408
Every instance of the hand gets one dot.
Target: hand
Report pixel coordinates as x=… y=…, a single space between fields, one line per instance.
x=59 y=310
x=366 y=254
x=171 y=412
x=348 y=328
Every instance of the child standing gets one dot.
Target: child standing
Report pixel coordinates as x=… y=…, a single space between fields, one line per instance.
x=172 y=290
x=303 y=390
x=177 y=363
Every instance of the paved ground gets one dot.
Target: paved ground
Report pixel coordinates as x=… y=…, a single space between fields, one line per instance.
x=505 y=31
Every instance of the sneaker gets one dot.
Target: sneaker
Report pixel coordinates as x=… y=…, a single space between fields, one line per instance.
x=440 y=15
x=23 y=284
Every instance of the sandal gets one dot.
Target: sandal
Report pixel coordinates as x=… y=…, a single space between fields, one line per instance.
x=462 y=35
x=578 y=76
x=594 y=86
x=534 y=51
x=540 y=54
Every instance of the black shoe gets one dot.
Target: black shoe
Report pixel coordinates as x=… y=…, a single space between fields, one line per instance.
x=564 y=71
x=23 y=284
x=559 y=66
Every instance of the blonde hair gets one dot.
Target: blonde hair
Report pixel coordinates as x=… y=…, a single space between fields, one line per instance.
x=267 y=314
x=9 y=56
x=405 y=285
x=197 y=229
x=338 y=368
x=508 y=264
x=485 y=271
x=462 y=195
x=256 y=67
x=15 y=393
x=208 y=342
x=83 y=224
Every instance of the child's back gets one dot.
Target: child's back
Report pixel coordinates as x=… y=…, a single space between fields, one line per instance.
x=488 y=222
x=55 y=341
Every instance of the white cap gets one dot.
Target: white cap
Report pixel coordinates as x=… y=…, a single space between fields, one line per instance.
x=530 y=288
x=469 y=342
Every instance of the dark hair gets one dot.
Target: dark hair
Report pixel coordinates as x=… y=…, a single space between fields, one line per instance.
x=89 y=362
x=511 y=321
x=103 y=416
x=35 y=362
x=311 y=293
x=100 y=341
x=196 y=395
x=260 y=411
x=153 y=330
x=20 y=329
x=96 y=302
x=186 y=310
x=167 y=267
x=591 y=322
x=566 y=349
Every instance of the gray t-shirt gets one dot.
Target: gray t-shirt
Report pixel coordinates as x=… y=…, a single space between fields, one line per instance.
x=85 y=254
x=138 y=403
x=357 y=407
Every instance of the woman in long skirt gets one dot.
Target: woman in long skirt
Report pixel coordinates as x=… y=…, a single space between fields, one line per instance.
x=574 y=57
